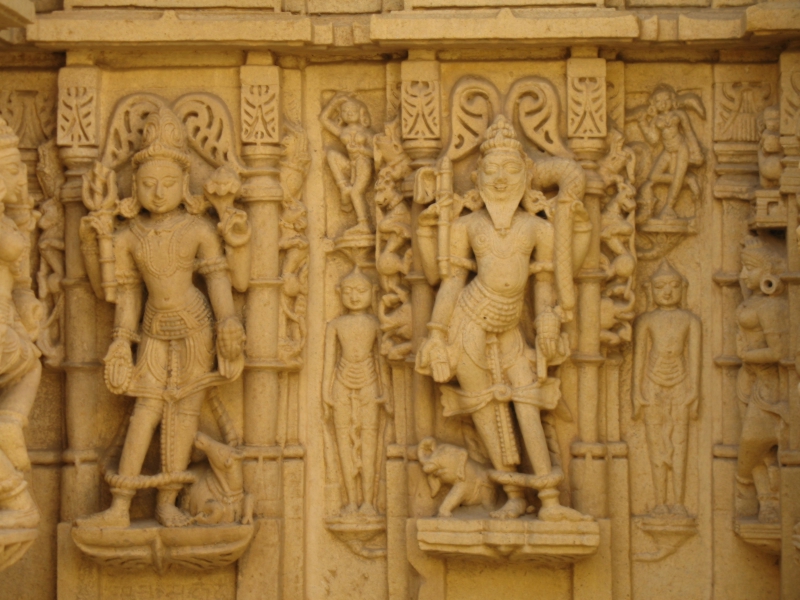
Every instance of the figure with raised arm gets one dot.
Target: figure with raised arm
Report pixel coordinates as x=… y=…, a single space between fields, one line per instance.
x=348 y=119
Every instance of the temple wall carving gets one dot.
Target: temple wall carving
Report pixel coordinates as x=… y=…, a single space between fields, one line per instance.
x=399 y=299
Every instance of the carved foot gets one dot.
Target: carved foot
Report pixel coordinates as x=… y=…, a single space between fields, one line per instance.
x=349 y=510
x=769 y=512
x=515 y=507
x=367 y=510
x=561 y=513
x=679 y=510
x=170 y=515
x=661 y=510
x=668 y=214
x=112 y=517
x=360 y=228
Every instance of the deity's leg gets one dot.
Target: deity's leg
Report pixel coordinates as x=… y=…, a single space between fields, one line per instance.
x=370 y=410
x=178 y=431
x=680 y=446
x=143 y=422
x=681 y=163
x=15 y=406
x=655 y=424
x=343 y=424
x=361 y=175
x=341 y=169
x=17 y=508
x=759 y=435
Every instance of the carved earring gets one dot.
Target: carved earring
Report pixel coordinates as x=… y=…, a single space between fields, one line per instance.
x=771 y=285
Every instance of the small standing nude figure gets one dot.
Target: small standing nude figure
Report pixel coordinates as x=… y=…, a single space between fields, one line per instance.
x=664 y=121
x=666 y=382
x=348 y=119
x=355 y=380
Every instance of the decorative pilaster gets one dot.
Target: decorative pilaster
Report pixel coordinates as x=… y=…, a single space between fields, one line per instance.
x=77 y=135
x=587 y=127
x=790 y=456
x=262 y=195
x=420 y=126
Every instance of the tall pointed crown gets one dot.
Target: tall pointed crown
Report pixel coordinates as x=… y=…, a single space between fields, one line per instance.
x=163 y=137
x=665 y=269
x=501 y=136
x=8 y=139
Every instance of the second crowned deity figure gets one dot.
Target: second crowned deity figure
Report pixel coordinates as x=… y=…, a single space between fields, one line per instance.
x=182 y=333
x=475 y=329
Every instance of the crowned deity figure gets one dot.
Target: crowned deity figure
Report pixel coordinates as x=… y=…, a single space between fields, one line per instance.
x=182 y=333
x=20 y=315
x=475 y=331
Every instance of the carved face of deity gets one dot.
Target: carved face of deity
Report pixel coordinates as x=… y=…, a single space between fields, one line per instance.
x=667 y=290
x=14 y=176
x=662 y=101
x=351 y=112
x=159 y=186
x=356 y=292
x=501 y=177
x=753 y=271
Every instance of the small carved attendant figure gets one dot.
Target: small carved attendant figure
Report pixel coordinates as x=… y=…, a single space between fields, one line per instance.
x=665 y=122
x=762 y=342
x=770 y=151
x=348 y=119
x=666 y=370
x=160 y=251
x=20 y=369
x=355 y=384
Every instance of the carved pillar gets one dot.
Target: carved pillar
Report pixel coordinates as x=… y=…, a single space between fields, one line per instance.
x=420 y=121
x=262 y=195
x=77 y=136
x=790 y=457
x=587 y=129
x=421 y=129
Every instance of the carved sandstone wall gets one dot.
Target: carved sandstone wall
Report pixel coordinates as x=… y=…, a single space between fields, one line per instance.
x=399 y=299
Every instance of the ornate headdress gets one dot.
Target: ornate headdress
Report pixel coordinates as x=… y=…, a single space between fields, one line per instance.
x=501 y=136
x=767 y=252
x=163 y=137
x=8 y=139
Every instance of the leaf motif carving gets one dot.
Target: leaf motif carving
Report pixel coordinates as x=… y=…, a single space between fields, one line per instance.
x=260 y=114
x=125 y=131
x=475 y=102
x=209 y=126
x=533 y=104
x=420 y=101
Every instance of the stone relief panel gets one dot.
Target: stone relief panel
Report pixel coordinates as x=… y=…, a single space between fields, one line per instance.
x=497 y=345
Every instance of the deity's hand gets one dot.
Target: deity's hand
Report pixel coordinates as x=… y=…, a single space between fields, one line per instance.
x=119 y=366
x=234 y=228
x=230 y=346
x=548 y=334
x=432 y=358
x=100 y=188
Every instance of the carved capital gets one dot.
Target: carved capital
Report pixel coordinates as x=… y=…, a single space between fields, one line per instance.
x=261 y=94
x=586 y=98
x=78 y=119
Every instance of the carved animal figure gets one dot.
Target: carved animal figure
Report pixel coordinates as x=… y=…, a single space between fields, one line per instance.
x=217 y=495
x=451 y=465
